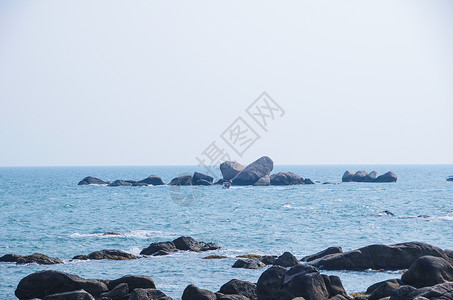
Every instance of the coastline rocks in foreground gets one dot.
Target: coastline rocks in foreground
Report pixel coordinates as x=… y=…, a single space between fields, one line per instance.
x=254 y=171
x=428 y=271
x=387 y=257
x=191 y=292
x=286 y=260
x=185 y=243
x=36 y=258
x=106 y=254
x=442 y=291
x=91 y=180
x=230 y=169
x=239 y=287
x=363 y=176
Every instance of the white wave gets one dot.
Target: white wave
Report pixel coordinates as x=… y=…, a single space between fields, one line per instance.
x=140 y=234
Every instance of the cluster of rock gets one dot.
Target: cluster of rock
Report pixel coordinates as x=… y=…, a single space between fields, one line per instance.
x=184 y=243
x=363 y=176
x=253 y=261
x=37 y=258
x=55 y=285
x=150 y=180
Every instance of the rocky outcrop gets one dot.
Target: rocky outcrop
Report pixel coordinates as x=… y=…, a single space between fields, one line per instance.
x=286 y=178
x=191 y=292
x=383 y=289
x=91 y=180
x=152 y=180
x=254 y=171
x=363 y=176
x=359 y=176
x=185 y=243
x=428 y=271
x=39 y=259
x=106 y=254
x=230 y=169
x=10 y=258
x=347 y=176
x=148 y=294
x=370 y=177
x=160 y=246
x=182 y=180
x=330 y=250
x=120 y=182
x=201 y=179
x=387 y=177
x=393 y=257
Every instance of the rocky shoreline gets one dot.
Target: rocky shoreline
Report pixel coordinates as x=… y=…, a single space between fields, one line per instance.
x=427 y=274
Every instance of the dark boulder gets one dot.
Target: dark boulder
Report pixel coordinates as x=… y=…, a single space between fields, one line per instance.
x=148 y=294
x=44 y=283
x=251 y=263
x=263 y=181
x=442 y=291
x=239 y=287
x=209 y=246
x=305 y=281
x=160 y=246
x=268 y=259
x=383 y=289
x=347 y=176
x=254 y=171
x=221 y=296
x=370 y=177
x=191 y=292
x=286 y=260
x=308 y=181
x=106 y=254
x=133 y=282
x=286 y=178
x=120 y=182
x=270 y=284
x=428 y=271
x=201 y=179
x=186 y=243
x=10 y=258
x=334 y=286
x=74 y=295
x=120 y=291
x=91 y=180
x=449 y=253
x=182 y=180
x=330 y=250
x=387 y=177
x=393 y=257
x=39 y=259
x=152 y=180
x=359 y=176
x=230 y=169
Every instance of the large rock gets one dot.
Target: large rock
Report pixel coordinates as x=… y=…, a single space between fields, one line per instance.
x=120 y=291
x=91 y=180
x=370 y=177
x=230 y=169
x=387 y=177
x=186 y=243
x=201 y=179
x=286 y=178
x=359 y=176
x=133 y=282
x=383 y=289
x=334 y=286
x=263 y=181
x=160 y=246
x=49 y=282
x=182 y=180
x=251 y=263
x=286 y=260
x=442 y=291
x=107 y=254
x=10 y=258
x=148 y=294
x=270 y=284
x=221 y=296
x=239 y=287
x=305 y=281
x=254 y=171
x=152 y=180
x=330 y=250
x=75 y=295
x=39 y=259
x=347 y=176
x=393 y=257
x=191 y=292
x=428 y=271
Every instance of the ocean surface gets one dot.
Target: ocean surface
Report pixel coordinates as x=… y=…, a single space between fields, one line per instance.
x=43 y=210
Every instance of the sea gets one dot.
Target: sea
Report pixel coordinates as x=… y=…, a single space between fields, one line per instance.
x=43 y=210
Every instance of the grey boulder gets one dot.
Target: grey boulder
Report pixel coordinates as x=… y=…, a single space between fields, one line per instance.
x=254 y=171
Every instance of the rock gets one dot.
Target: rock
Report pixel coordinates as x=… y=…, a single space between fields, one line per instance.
x=263 y=181
x=387 y=177
x=118 y=292
x=230 y=169
x=74 y=295
x=254 y=171
x=330 y=250
x=201 y=179
x=305 y=281
x=359 y=176
x=221 y=181
x=404 y=292
x=383 y=289
x=133 y=282
x=428 y=271
x=161 y=253
x=449 y=253
x=148 y=294
x=387 y=213
x=152 y=180
x=268 y=259
x=347 y=176
x=122 y=183
x=214 y=257
x=182 y=180
x=191 y=292
x=286 y=178
x=270 y=283
x=239 y=287
x=155 y=247
x=186 y=243
x=10 y=258
x=91 y=180
x=286 y=260
x=308 y=181
x=209 y=247
x=39 y=259
x=334 y=286
x=393 y=257
x=371 y=177
x=49 y=282
x=107 y=254
x=221 y=296
x=442 y=291
x=139 y=184
x=251 y=263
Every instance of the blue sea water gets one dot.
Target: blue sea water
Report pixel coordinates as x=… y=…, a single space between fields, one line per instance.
x=43 y=210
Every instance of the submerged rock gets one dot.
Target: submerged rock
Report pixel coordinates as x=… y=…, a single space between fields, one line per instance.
x=91 y=180
x=254 y=171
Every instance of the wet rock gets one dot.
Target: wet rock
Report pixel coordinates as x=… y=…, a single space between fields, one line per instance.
x=359 y=176
x=107 y=254
x=250 y=263
x=182 y=180
x=387 y=177
x=10 y=258
x=74 y=295
x=428 y=271
x=387 y=213
x=191 y=292
x=254 y=171
x=263 y=181
x=286 y=260
x=330 y=250
x=230 y=169
x=347 y=176
x=39 y=259
x=152 y=180
x=286 y=178
x=91 y=180
x=148 y=294
x=239 y=287
x=133 y=282
x=160 y=246
x=383 y=289
x=186 y=243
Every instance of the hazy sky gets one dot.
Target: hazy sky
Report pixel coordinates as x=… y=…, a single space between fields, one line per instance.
x=156 y=82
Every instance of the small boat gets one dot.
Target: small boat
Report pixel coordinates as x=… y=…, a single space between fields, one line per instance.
x=450 y=178
x=227 y=184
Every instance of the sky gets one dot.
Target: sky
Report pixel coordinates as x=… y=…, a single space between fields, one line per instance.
x=164 y=82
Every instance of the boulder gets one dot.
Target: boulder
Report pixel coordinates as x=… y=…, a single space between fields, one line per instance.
x=91 y=180
x=49 y=282
x=148 y=294
x=133 y=282
x=182 y=180
x=120 y=291
x=186 y=243
x=383 y=289
x=263 y=181
x=10 y=258
x=428 y=271
x=370 y=177
x=305 y=281
x=270 y=284
x=359 y=176
x=387 y=177
x=106 y=254
x=160 y=246
x=254 y=171
x=330 y=250
x=442 y=291
x=268 y=259
x=286 y=260
x=152 y=180
x=39 y=259
x=393 y=257
x=251 y=263
x=209 y=246
x=347 y=176
x=74 y=295
x=221 y=296
x=201 y=179
x=239 y=287
x=334 y=286
x=230 y=169
x=120 y=182
x=286 y=178
x=191 y=292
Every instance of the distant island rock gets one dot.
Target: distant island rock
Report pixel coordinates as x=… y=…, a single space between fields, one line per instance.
x=363 y=176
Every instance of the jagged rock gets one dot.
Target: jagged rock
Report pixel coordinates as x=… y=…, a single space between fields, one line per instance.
x=428 y=271
x=153 y=180
x=286 y=260
x=263 y=181
x=182 y=180
x=74 y=295
x=148 y=294
x=387 y=177
x=107 y=254
x=442 y=291
x=39 y=259
x=191 y=292
x=186 y=243
x=250 y=263
x=330 y=250
x=161 y=246
x=230 y=169
x=10 y=258
x=91 y=180
x=254 y=171
x=286 y=178
x=201 y=179
x=239 y=287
